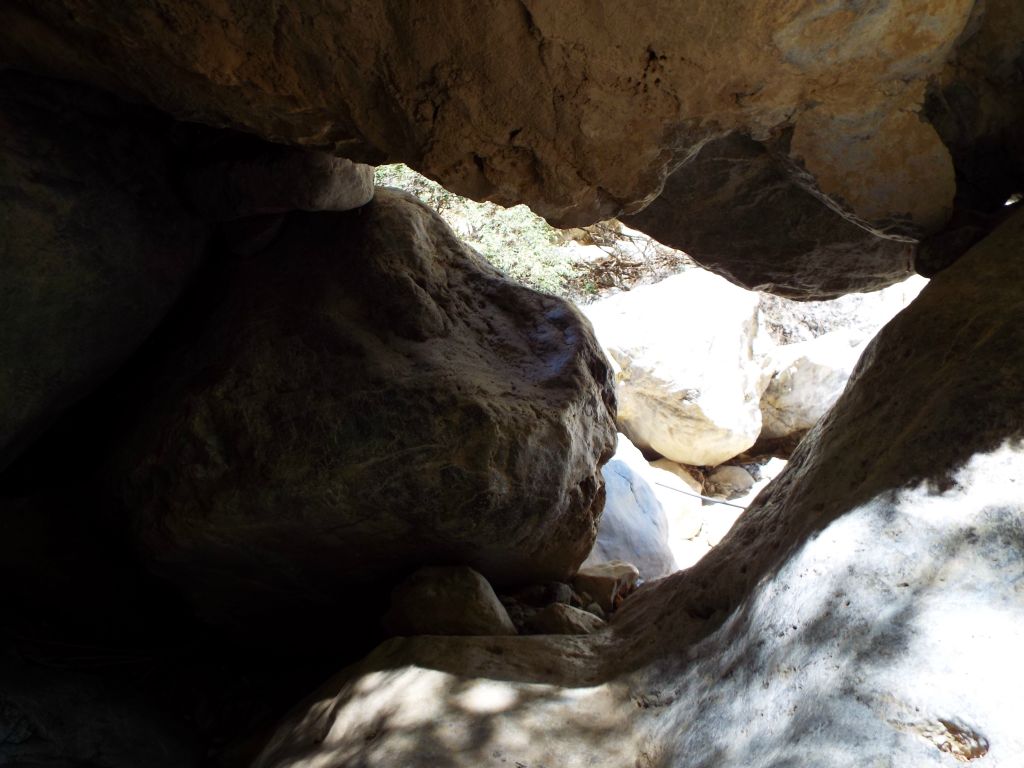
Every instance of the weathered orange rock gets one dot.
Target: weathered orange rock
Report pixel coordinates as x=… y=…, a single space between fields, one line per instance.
x=579 y=109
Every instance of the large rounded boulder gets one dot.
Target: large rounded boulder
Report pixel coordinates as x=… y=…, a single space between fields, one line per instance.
x=688 y=376
x=366 y=396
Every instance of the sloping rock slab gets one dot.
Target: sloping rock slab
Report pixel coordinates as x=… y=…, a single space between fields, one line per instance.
x=578 y=108
x=96 y=245
x=867 y=609
x=365 y=396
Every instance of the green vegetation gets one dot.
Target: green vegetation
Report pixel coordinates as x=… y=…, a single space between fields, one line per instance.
x=516 y=240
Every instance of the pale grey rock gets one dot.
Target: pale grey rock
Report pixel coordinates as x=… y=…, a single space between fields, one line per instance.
x=806 y=379
x=687 y=378
x=634 y=525
x=447 y=601
x=866 y=610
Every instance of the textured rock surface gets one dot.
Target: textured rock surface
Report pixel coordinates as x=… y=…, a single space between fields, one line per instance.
x=365 y=396
x=95 y=247
x=739 y=210
x=807 y=378
x=634 y=526
x=688 y=382
x=561 y=619
x=865 y=610
x=447 y=601
x=253 y=178
x=580 y=109
x=607 y=583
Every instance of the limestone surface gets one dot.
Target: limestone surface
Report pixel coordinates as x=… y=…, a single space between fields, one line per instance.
x=363 y=397
x=635 y=525
x=688 y=380
x=807 y=378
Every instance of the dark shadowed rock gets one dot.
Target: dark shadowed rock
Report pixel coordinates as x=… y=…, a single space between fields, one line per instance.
x=95 y=246
x=735 y=208
x=252 y=178
x=866 y=609
x=65 y=719
x=447 y=601
x=368 y=395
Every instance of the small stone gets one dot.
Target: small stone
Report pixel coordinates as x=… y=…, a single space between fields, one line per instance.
x=561 y=619
x=560 y=593
x=535 y=595
x=729 y=482
x=595 y=609
x=608 y=582
x=519 y=613
x=447 y=601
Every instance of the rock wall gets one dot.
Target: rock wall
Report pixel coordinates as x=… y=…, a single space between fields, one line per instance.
x=316 y=394
x=581 y=110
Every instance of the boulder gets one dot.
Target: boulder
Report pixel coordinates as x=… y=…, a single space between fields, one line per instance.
x=363 y=397
x=866 y=609
x=739 y=210
x=447 y=601
x=561 y=619
x=806 y=379
x=580 y=109
x=607 y=583
x=729 y=482
x=688 y=381
x=96 y=245
x=634 y=526
x=241 y=178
